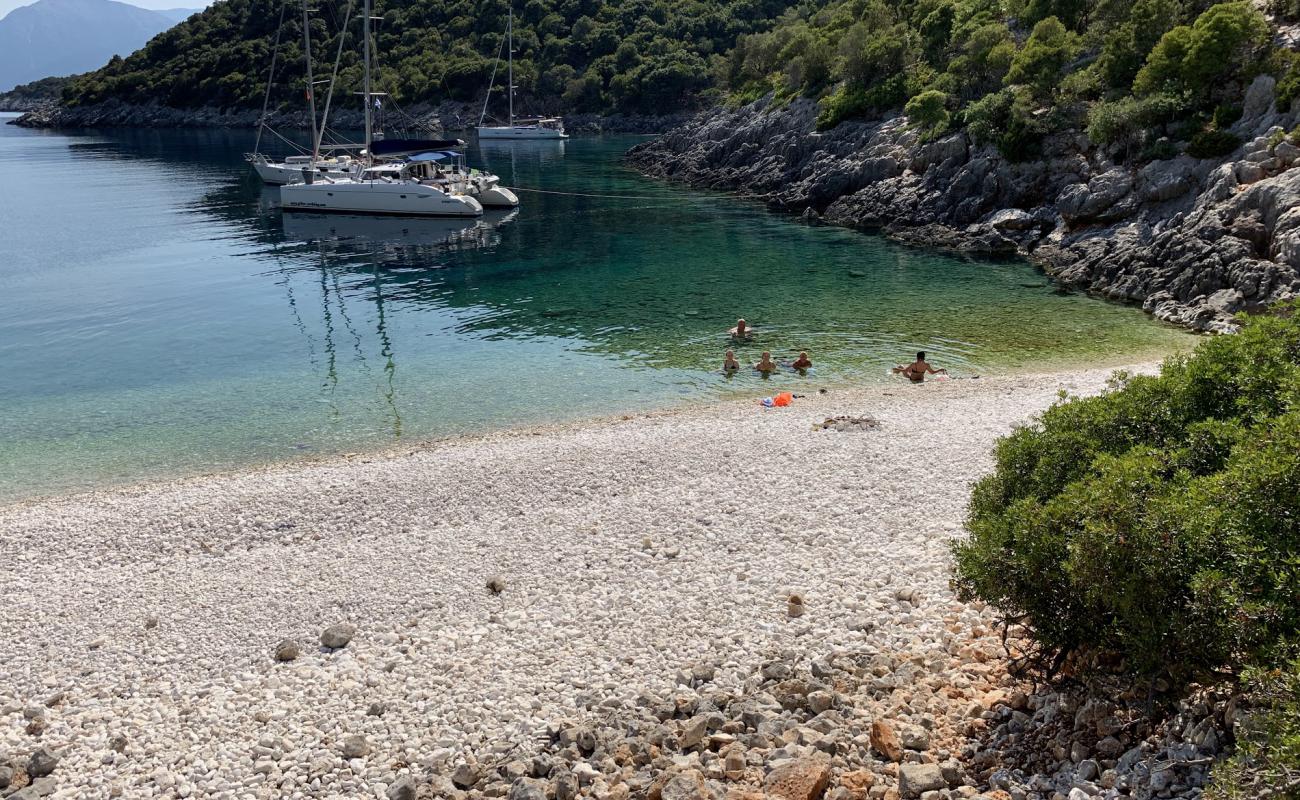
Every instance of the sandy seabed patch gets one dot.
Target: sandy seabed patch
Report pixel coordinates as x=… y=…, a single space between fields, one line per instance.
x=140 y=624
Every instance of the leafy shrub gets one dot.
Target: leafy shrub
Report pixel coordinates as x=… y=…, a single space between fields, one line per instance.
x=1227 y=42
x=928 y=111
x=844 y=103
x=1127 y=119
x=1159 y=150
x=1046 y=52
x=1006 y=119
x=1225 y=115
x=1268 y=743
x=1160 y=520
x=1212 y=144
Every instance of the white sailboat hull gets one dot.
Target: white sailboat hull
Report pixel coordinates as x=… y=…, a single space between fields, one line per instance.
x=520 y=132
x=393 y=198
x=275 y=173
x=495 y=196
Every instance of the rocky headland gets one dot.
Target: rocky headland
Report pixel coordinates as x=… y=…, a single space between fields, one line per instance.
x=448 y=116
x=1192 y=240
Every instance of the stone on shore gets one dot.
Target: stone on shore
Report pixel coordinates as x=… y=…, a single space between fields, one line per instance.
x=338 y=635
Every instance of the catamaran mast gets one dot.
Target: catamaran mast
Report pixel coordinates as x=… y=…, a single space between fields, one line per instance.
x=334 y=76
x=311 y=87
x=365 y=32
x=510 y=75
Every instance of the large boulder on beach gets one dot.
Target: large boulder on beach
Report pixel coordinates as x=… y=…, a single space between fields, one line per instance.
x=338 y=635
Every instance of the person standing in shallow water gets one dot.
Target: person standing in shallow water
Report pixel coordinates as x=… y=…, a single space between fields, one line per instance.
x=918 y=369
x=803 y=362
x=765 y=364
x=742 y=332
x=729 y=362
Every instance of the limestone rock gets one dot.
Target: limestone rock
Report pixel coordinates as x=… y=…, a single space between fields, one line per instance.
x=287 y=650
x=884 y=741
x=355 y=747
x=402 y=789
x=338 y=635
x=42 y=762
x=915 y=779
x=801 y=779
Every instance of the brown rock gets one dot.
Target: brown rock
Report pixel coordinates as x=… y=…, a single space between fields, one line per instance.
x=885 y=742
x=802 y=779
x=859 y=780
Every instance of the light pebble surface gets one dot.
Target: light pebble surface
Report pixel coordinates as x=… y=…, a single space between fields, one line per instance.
x=628 y=548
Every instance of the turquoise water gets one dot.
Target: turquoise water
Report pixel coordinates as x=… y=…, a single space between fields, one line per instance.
x=159 y=316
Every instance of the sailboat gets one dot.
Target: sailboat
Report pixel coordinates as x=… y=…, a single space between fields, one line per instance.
x=410 y=188
x=294 y=168
x=530 y=128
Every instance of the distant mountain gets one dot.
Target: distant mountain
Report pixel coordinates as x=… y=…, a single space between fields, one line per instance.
x=178 y=14
x=63 y=37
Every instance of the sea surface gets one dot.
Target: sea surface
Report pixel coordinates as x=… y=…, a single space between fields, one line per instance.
x=159 y=315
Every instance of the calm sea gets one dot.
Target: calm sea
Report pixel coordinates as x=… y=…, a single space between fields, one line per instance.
x=159 y=316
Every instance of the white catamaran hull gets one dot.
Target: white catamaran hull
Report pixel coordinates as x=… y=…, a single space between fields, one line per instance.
x=520 y=132
x=400 y=198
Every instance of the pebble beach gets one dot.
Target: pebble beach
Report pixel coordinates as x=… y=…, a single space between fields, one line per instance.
x=482 y=596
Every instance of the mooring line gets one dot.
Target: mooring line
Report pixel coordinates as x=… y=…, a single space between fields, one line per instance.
x=606 y=196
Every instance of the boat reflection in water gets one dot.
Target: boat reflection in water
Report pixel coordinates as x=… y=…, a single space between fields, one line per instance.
x=397 y=234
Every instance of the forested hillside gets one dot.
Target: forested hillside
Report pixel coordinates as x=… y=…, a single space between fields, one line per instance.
x=1136 y=72
x=573 y=55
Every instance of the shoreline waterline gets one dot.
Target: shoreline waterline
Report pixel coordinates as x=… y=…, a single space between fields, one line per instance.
x=737 y=398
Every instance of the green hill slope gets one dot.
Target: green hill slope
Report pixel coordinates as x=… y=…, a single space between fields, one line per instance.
x=577 y=55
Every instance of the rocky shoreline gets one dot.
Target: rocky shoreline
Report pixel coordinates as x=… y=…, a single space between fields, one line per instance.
x=1191 y=240
x=450 y=117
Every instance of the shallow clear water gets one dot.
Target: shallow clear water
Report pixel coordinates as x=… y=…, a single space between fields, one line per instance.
x=159 y=316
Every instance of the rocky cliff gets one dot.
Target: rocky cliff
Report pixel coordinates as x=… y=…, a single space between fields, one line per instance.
x=1192 y=240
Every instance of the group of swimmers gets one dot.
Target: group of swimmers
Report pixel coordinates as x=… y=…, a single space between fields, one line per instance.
x=914 y=372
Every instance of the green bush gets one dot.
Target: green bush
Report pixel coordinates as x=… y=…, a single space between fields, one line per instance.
x=1227 y=43
x=1268 y=743
x=1006 y=119
x=1159 y=520
x=1046 y=52
x=928 y=111
x=842 y=104
x=1212 y=144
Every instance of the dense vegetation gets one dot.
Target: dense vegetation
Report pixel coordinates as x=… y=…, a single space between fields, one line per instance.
x=1012 y=71
x=29 y=95
x=572 y=55
x=1156 y=528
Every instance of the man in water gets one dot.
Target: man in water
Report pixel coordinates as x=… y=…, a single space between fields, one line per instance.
x=917 y=370
x=729 y=362
x=765 y=364
x=802 y=363
x=741 y=332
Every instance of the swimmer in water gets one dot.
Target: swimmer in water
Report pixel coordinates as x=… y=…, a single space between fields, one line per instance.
x=918 y=369
x=729 y=362
x=802 y=363
x=742 y=332
x=765 y=364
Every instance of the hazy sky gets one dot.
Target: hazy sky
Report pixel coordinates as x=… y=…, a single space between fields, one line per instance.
x=9 y=5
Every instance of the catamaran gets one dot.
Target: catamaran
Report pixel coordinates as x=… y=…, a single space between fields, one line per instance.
x=530 y=128
x=448 y=159
x=409 y=188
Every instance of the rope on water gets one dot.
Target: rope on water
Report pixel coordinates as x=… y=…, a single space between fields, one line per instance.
x=660 y=198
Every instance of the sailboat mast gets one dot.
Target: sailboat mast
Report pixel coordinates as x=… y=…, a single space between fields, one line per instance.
x=510 y=74
x=311 y=88
x=365 y=32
